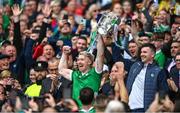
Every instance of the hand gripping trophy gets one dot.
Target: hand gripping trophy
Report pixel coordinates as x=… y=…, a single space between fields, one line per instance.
x=106 y=25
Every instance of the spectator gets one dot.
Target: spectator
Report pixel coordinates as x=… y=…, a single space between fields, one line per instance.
x=40 y=69
x=56 y=9
x=144 y=38
x=115 y=106
x=92 y=13
x=87 y=98
x=117 y=8
x=100 y=103
x=127 y=9
x=4 y=62
x=40 y=31
x=80 y=46
x=133 y=49
x=159 y=56
x=146 y=78
x=116 y=85
x=175 y=48
x=161 y=103
x=48 y=51
x=2 y=96
x=54 y=82
x=32 y=76
x=174 y=80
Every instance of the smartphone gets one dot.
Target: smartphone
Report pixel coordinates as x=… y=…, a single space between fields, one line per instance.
x=83 y=21
x=67 y=93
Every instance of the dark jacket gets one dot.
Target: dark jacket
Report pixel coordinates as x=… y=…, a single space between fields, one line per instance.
x=167 y=64
x=18 y=66
x=148 y=25
x=58 y=92
x=174 y=73
x=28 y=53
x=155 y=80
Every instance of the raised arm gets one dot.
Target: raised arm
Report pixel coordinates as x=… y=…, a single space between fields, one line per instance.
x=63 y=64
x=17 y=40
x=120 y=88
x=100 y=55
x=28 y=53
x=46 y=12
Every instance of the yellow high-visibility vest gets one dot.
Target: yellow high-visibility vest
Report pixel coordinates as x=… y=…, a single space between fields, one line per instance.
x=33 y=90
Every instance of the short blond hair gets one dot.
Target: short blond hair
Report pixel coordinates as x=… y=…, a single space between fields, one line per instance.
x=5 y=74
x=55 y=3
x=87 y=54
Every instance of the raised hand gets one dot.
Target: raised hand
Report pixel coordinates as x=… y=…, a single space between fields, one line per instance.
x=50 y=100
x=80 y=28
x=168 y=104
x=33 y=105
x=121 y=72
x=34 y=36
x=16 y=10
x=44 y=41
x=155 y=105
x=28 y=111
x=172 y=85
x=66 y=50
x=59 y=43
x=46 y=10
x=1 y=10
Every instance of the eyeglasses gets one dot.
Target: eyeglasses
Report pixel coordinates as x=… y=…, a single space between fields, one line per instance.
x=177 y=60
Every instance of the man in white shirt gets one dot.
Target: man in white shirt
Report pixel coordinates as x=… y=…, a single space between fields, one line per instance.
x=144 y=80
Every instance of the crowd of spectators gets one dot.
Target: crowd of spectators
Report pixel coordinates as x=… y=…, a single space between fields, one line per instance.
x=45 y=65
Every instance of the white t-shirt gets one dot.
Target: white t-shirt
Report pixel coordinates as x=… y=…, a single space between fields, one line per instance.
x=136 y=97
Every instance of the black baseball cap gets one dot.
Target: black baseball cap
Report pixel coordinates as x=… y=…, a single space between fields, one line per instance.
x=2 y=56
x=40 y=66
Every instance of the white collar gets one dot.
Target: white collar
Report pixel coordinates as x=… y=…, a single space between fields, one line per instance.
x=83 y=110
x=158 y=51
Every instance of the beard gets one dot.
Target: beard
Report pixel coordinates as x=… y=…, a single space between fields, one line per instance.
x=39 y=82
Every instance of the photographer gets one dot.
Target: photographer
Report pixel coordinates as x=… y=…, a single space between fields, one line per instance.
x=40 y=69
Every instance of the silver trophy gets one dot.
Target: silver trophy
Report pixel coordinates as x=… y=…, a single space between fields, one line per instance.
x=107 y=22
x=106 y=25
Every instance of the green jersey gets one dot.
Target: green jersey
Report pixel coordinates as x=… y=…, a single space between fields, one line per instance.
x=160 y=59
x=91 y=79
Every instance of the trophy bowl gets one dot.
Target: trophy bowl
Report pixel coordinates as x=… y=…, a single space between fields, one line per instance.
x=107 y=22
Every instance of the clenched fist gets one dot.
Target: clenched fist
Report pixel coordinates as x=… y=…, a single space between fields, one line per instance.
x=66 y=50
